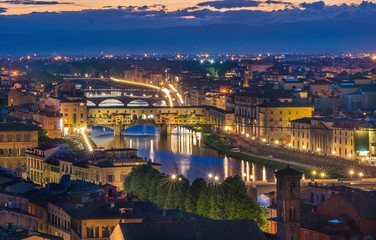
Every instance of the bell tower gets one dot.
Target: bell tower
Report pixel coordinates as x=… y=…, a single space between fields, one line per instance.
x=288 y=203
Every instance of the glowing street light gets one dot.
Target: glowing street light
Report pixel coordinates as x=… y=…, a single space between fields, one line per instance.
x=216 y=178
x=276 y=142
x=361 y=174
x=314 y=173
x=351 y=172
x=322 y=175
x=173 y=176
x=210 y=175
x=264 y=139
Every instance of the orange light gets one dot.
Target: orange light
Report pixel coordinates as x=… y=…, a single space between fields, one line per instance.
x=374 y=57
x=15 y=73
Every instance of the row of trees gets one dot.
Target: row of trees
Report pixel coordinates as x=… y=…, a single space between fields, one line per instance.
x=225 y=200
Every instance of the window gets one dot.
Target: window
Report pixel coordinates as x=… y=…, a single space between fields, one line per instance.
x=316 y=237
x=10 y=138
x=110 y=178
x=306 y=235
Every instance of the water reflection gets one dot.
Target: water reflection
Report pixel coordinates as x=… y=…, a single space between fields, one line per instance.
x=181 y=152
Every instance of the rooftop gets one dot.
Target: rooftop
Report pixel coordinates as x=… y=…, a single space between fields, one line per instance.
x=18 y=127
x=278 y=104
x=208 y=229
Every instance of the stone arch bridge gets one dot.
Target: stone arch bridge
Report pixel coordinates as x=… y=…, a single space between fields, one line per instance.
x=163 y=118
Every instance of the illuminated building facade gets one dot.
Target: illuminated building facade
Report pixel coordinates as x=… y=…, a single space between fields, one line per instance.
x=15 y=139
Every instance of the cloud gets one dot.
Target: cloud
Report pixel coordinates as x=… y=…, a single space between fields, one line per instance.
x=32 y=2
x=309 y=27
x=228 y=4
x=314 y=6
x=2 y=10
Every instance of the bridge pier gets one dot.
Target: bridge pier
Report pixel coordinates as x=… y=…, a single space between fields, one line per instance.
x=119 y=130
x=165 y=129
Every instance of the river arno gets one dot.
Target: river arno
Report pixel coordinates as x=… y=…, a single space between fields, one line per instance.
x=181 y=152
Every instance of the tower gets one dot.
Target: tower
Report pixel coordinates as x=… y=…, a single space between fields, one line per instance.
x=247 y=74
x=288 y=204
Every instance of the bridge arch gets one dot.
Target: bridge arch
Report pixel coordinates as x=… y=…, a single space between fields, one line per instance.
x=111 y=103
x=138 y=103
x=90 y=103
x=160 y=103
x=143 y=129
x=150 y=117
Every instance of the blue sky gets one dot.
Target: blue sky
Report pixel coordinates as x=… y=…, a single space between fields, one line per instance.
x=234 y=26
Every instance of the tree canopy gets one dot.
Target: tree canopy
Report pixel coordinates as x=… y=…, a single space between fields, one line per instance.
x=225 y=200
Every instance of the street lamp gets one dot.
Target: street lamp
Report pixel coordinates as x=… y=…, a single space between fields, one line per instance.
x=322 y=175
x=216 y=178
x=351 y=172
x=210 y=175
x=173 y=176
x=361 y=174
x=314 y=173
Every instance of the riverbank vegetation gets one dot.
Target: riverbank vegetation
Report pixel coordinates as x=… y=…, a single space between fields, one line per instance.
x=213 y=199
x=214 y=141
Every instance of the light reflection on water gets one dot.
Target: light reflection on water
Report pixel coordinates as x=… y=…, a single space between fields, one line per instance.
x=181 y=152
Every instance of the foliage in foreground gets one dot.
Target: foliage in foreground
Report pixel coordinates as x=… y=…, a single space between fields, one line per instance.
x=226 y=200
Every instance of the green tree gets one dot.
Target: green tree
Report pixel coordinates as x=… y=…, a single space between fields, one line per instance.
x=203 y=206
x=216 y=203
x=193 y=194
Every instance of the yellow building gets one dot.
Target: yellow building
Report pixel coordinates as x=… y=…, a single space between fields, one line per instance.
x=37 y=169
x=273 y=120
x=15 y=138
x=74 y=114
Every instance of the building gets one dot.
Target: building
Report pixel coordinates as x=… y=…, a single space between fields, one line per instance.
x=74 y=115
x=37 y=170
x=245 y=107
x=15 y=138
x=345 y=138
x=274 y=120
x=51 y=122
x=17 y=97
x=291 y=84
x=46 y=165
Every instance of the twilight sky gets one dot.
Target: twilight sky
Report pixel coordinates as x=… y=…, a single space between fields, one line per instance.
x=233 y=26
